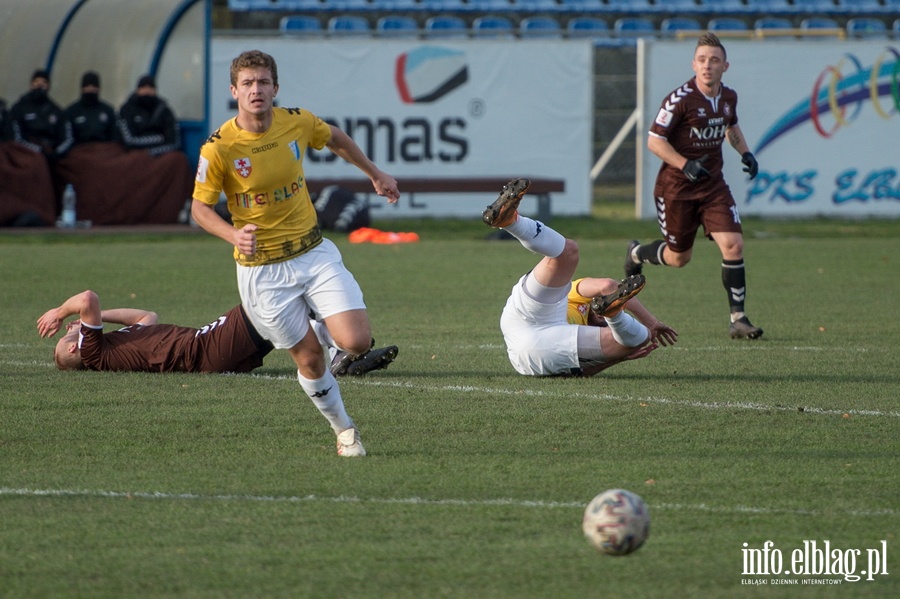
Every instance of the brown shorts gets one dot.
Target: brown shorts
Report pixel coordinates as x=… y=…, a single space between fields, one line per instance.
x=680 y=219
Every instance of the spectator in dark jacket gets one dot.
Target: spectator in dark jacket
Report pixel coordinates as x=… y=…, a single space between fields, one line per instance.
x=38 y=123
x=146 y=122
x=92 y=119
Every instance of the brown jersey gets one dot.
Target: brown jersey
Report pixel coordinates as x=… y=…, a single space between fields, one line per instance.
x=694 y=125
x=228 y=344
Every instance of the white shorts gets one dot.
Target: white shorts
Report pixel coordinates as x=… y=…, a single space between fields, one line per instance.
x=279 y=297
x=539 y=339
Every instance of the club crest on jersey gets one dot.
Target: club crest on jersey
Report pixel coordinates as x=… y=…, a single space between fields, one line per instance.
x=295 y=149
x=727 y=109
x=663 y=118
x=242 y=166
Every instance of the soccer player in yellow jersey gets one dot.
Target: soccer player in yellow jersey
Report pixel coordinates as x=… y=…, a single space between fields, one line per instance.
x=285 y=268
x=551 y=324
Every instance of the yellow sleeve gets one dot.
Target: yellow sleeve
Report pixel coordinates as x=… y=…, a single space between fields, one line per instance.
x=210 y=178
x=321 y=133
x=579 y=306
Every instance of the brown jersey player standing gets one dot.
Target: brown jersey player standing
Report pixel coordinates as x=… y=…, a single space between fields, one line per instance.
x=690 y=190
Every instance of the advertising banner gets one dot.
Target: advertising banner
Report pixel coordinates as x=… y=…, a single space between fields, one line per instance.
x=822 y=118
x=438 y=109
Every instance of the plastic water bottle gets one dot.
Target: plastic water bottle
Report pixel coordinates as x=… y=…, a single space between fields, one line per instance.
x=67 y=218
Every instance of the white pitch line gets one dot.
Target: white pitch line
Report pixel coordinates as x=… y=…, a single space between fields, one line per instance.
x=713 y=405
x=523 y=503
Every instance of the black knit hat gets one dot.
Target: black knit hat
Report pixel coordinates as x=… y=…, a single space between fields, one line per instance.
x=146 y=81
x=40 y=73
x=90 y=78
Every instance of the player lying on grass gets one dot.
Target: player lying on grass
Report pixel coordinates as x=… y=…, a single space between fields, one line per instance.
x=228 y=344
x=547 y=318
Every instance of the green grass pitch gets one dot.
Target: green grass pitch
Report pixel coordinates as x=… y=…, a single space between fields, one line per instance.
x=130 y=485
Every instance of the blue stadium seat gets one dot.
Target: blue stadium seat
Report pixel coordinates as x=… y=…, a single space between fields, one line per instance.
x=727 y=24
x=672 y=25
x=581 y=7
x=593 y=27
x=866 y=27
x=490 y=26
x=348 y=25
x=629 y=6
x=351 y=6
x=540 y=26
x=535 y=6
x=441 y=6
x=717 y=7
x=629 y=29
x=446 y=26
x=396 y=26
x=489 y=6
x=819 y=23
x=300 y=25
x=398 y=5
x=773 y=23
x=860 y=6
x=769 y=7
x=825 y=24
x=676 y=7
x=895 y=28
x=820 y=7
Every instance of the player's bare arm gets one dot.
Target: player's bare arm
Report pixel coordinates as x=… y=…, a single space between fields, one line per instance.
x=736 y=139
x=665 y=151
x=86 y=304
x=129 y=316
x=244 y=239
x=344 y=146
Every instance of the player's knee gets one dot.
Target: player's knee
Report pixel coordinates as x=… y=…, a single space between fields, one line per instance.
x=570 y=252
x=358 y=343
x=676 y=259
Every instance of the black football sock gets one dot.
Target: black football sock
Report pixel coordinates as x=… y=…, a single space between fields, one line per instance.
x=735 y=283
x=651 y=252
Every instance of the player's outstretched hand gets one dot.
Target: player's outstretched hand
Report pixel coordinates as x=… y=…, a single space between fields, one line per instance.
x=663 y=334
x=694 y=170
x=751 y=166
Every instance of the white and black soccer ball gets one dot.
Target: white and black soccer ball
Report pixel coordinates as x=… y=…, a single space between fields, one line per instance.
x=616 y=522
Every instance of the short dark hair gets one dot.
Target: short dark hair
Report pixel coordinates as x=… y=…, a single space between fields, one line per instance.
x=710 y=39
x=252 y=59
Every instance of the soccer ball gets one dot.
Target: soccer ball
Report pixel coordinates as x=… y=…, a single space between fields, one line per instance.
x=616 y=522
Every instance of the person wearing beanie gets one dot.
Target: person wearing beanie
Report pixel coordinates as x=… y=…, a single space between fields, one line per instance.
x=146 y=122
x=92 y=119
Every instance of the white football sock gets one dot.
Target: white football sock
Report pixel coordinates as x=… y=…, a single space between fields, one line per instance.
x=326 y=395
x=537 y=237
x=627 y=330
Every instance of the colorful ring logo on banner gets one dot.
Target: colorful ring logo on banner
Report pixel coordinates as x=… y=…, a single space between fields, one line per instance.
x=834 y=92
